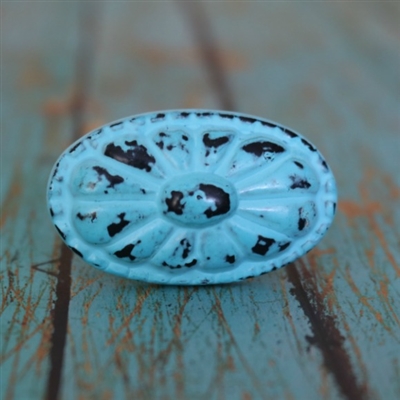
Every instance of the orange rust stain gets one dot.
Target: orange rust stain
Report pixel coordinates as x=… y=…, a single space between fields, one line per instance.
x=272 y=363
x=223 y=323
x=93 y=124
x=324 y=387
x=394 y=189
x=81 y=284
x=33 y=75
x=230 y=364
x=316 y=252
x=55 y=107
x=128 y=341
x=317 y=275
x=246 y=396
x=328 y=288
x=369 y=209
x=310 y=93
x=19 y=292
x=288 y=395
x=256 y=328
x=89 y=302
x=381 y=237
x=230 y=60
x=331 y=294
x=383 y=291
x=44 y=345
x=352 y=209
x=364 y=301
x=11 y=203
x=194 y=98
x=356 y=349
x=288 y=314
x=358 y=354
x=370 y=254
x=107 y=395
x=23 y=340
x=136 y=310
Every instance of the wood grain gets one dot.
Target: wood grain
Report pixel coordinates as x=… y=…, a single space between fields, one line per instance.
x=325 y=327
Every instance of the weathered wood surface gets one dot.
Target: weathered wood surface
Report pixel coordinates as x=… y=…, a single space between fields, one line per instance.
x=325 y=327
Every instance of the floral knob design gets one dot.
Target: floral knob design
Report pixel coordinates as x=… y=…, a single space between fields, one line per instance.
x=191 y=197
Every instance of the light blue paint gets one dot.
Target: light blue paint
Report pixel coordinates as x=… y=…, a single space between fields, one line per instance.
x=191 y=197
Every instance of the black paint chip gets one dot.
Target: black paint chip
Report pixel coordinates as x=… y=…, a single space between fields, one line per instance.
x=136 y=157
x=299 y=182
x=204 y=114
x=92 y=216
x=262 y=246
x=269 y=124
x=324 y=164
x=229 y=116
x=115 y=228
x=283 y=246
x=76 y=251
x=112 y=179
x=126 y=252
x=230 y=259
x=259 y=148
x=185 y=248
x=116 y=124
x=290 y=133
x=308 y=144
x=191 y=263
x=56 y=170
x=208 y=142
x=248 y=119
x=165 y=264
x=174 y=202
x=75 y=147
x=61 y=232
x=301 y=223
x=300 y=165
x=220 y=198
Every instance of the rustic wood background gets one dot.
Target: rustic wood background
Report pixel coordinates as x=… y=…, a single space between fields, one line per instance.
x=326 y=326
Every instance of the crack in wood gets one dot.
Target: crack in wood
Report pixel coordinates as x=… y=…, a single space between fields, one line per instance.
x=60 y=323
x=85 y=61
x=209 y=52
x=326 y=334
x=37 y=267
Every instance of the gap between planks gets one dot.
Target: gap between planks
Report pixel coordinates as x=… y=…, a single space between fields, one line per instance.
x=88 y=15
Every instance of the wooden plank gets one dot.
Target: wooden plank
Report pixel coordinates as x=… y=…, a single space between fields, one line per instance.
x=324 y=327
x=38 y=87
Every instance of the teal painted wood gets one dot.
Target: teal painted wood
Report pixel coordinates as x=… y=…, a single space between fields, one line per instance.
x=36 y=127
x=325 y=327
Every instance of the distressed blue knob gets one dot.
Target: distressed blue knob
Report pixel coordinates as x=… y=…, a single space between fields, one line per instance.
x=191 y=197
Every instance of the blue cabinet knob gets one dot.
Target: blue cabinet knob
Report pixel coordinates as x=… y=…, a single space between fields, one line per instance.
x=191 y=197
